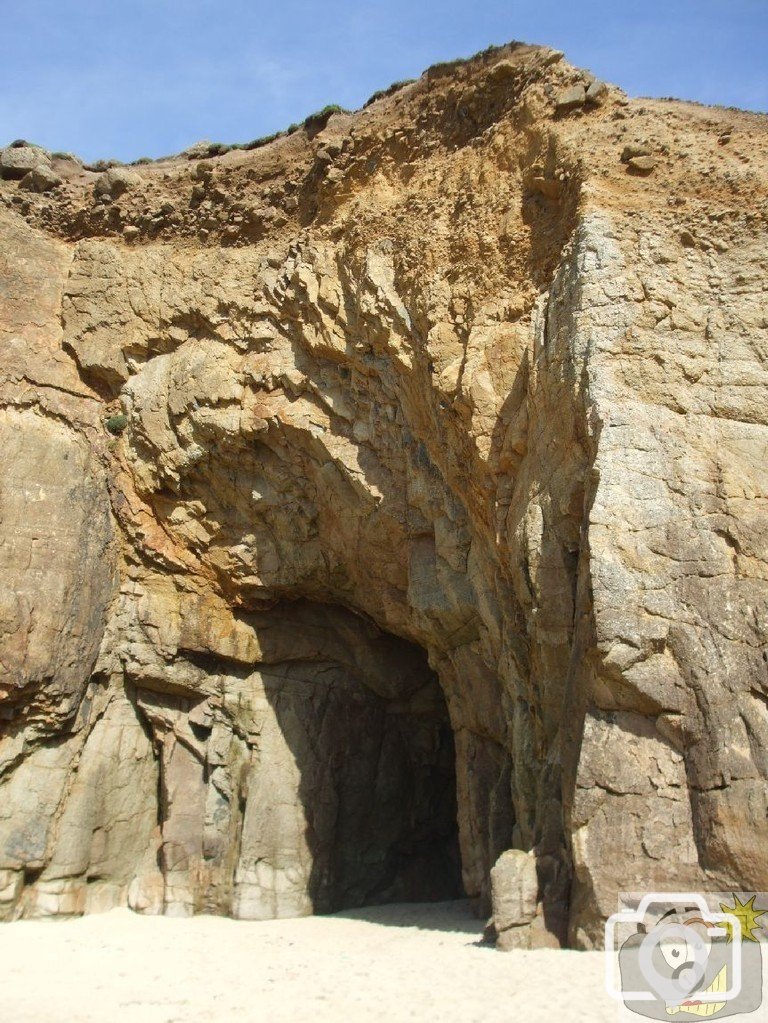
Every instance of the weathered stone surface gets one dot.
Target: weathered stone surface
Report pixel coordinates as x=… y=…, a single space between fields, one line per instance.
x=641 y=164
x=434 y=528
x=570 y=98
x=633 y=150
x=57 y=556
x=54 y=585
x=40 y=179
x=115 y=181
x=514 y=889
x=597 y=91
x=550 y=187
x=518 y=920
x=17 y=161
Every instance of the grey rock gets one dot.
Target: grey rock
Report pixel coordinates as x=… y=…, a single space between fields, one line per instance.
x=597 y=91
x=115 y=182
x=67 y=158
x=17 y=161
x=41 y=179
x=514 y=889
x=571 y=98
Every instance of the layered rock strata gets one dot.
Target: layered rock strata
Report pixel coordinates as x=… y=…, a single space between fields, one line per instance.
x=385 y=498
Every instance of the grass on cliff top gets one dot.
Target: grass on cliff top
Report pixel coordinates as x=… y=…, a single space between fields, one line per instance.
x=318 y=120
x=314 y=123
x=445 y=67
x=389 y=91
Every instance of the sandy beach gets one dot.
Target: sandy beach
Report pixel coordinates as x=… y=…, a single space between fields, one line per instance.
x=411 y=962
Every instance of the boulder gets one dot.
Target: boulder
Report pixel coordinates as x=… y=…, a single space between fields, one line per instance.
x=40 y=179
x=641 y=164
x=115 y=182
x=634 y=149
x=17 y=161
x=571 y=98
x=514 y=889
x=597 y=91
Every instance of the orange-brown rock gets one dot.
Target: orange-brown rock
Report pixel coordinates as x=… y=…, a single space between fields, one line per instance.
x=387 y=497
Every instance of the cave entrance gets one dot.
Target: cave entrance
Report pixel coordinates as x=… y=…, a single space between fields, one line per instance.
x=367 y=727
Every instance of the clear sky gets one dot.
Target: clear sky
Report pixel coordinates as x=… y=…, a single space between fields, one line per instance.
x=130 y=78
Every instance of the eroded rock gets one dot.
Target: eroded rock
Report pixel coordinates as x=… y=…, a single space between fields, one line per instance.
x=641 y=164
x=115 y=182
x=40 y=179
x=17 y=161
x=433 y=531
x=571 y=98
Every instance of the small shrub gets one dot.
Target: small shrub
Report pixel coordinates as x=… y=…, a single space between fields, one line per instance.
x=116 y=424
x=263 y=141
x=143 y=161
x=318 y=120
x=331 y=108
x=393 y=88
x=445 y=67
x=103 y=165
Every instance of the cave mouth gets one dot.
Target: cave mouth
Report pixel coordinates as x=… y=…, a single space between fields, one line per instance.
x=374 y=750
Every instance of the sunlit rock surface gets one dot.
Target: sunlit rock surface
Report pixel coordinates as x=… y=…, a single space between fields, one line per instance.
x=383 y=498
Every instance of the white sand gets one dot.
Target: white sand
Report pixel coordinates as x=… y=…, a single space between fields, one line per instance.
x=389 y=963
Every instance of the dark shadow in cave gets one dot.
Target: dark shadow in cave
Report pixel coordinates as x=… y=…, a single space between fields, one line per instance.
x=374 y=747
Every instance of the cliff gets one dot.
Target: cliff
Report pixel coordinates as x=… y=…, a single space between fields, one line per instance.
x=406 y=469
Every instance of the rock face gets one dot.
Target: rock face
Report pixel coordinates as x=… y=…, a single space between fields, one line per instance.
x=429 y=524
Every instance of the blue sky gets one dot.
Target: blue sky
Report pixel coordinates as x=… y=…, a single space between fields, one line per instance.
x=131 y=78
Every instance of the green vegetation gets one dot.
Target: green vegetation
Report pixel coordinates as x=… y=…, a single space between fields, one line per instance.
x=318 y=120
x=390 y=91
x=313 y=124
x=445 y=67
x=25 y=144
x=330 y=108
x=263 y=141
x=116 y=424
x=103 y=165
